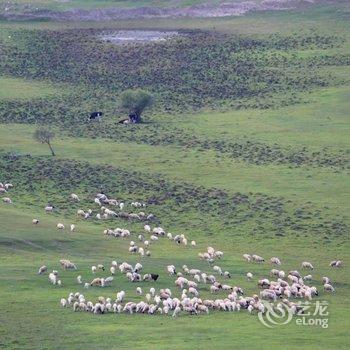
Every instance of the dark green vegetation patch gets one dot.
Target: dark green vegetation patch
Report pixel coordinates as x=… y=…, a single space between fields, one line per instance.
x=198 y=69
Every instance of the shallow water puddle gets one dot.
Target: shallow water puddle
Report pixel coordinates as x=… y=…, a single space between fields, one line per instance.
x=141 y=36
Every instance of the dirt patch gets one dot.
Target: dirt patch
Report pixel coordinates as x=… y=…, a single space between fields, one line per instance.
x=224 y=9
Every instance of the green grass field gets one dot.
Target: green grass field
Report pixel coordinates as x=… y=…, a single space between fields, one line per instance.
x=258 y=169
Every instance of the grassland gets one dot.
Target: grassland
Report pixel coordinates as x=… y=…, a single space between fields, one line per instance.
x=260 y=169
x=19 y=89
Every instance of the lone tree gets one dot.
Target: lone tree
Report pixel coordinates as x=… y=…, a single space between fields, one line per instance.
x=44 y=135
x=135 y=102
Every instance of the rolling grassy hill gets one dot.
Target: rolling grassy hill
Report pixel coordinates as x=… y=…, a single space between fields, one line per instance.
x=259 y=166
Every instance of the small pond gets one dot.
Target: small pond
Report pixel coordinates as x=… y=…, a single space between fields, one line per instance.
x=136 y=36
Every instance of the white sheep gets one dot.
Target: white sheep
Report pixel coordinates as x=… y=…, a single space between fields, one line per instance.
x=42 y=270
x=249 y=276
x=306 y=265
x=53 y=277
x=120 y=296
x=93 y=269
x=308 y=278
x=326 y=280
x=258 y=259
x=193 y=243
x=49 y=208
x=35 y=221
x=328 y=288
x=81 y=212
x=60 y=226
x=7 y=200
x=247 y=257
x=336 y=263
x=72 y=228
x=74 y=197
x=63 y=302
x=171 y=270
x=79 y=280
x=139 y=291
x=275 y=261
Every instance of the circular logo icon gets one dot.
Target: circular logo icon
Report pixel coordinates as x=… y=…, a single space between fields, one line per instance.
x=275 y=316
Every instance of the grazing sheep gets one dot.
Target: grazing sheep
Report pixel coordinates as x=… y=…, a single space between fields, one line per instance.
x=171 y=270
x=249 y=276
x=258 y=259
x=86 y=285
x=107 y=281
x=81 y=213
x=49 y=208
x=275 y=261
x=336 y=263
x=63 y=302
x=74 y=197
x=53 y=277
x=308 y=278
x=326 y=280
x=264 y=283
x=100 y=267
x=139 y=291
x=193 y=243
x=7 y=200
x=226 y=274
x=79 y=280
x=60 y=226
x=35 y=221
x=96 y=282
x=138 y=268
x=120 y=296
x=217 y=269
x=306 y=265
x=328 y=288
x=112 y=270
x=214 y=289
x=247 y=257
x=72 y=228
x=133 y=249
x=93 y=269
x=42 y=270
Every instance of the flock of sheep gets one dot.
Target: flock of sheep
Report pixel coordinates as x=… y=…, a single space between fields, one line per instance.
x=189 y=282
x=4 y=187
